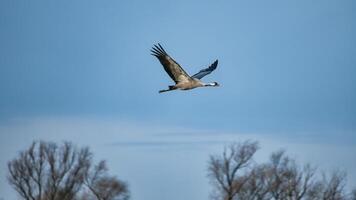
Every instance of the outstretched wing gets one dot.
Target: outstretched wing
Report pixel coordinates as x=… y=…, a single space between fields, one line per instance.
x=173 y=69
x=206 y=71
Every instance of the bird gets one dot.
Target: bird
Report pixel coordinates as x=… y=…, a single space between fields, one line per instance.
x=181 y=78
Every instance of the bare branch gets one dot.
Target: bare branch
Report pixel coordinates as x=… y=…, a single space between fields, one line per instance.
x=223 y=171
x=282 y=178
x=46 y=171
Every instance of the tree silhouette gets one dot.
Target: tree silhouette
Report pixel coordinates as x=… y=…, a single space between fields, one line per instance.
x=225 y=171
x=235 y=176
x=47 y=171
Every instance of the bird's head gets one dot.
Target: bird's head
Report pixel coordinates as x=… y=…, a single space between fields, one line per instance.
x=213 y=84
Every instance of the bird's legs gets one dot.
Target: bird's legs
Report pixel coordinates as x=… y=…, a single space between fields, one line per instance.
x=170 y=88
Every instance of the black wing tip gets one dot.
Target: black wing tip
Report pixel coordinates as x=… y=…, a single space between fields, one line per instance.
x=162 y=48
x=154 y=52
x=158 y=50
x=214 y=65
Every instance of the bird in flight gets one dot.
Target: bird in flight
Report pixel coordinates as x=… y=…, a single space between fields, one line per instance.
x=181 y=78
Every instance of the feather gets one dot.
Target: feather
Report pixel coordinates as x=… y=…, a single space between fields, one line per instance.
x=173 y=69
x=206 y=71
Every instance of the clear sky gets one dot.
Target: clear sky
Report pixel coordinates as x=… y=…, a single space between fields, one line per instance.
x=82 y=71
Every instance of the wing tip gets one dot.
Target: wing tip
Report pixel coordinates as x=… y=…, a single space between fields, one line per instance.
x=215 y=64
x=158 y=50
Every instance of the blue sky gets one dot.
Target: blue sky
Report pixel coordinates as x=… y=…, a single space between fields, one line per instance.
x=286 y=69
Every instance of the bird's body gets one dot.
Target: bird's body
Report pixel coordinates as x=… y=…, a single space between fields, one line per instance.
x=180 y=77
x=185 y=85
x=191 y=84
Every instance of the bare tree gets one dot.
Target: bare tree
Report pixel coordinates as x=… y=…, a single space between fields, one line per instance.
x=235 y=177
x=47 y=171
x=256 y=186
x=26 y=172
x=333 y=189
x=286 y=179
x=104 y=187
x=225 y=171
